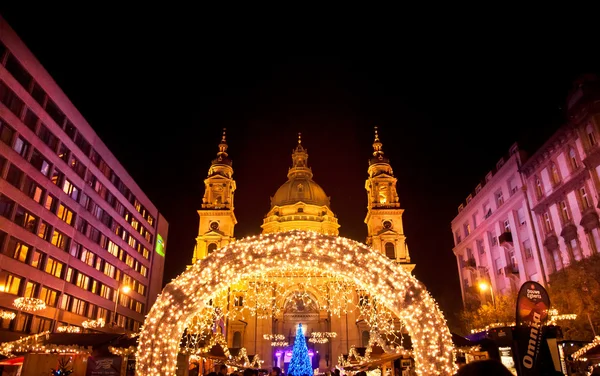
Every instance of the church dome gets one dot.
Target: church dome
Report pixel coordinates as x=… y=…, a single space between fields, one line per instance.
x=300 y=188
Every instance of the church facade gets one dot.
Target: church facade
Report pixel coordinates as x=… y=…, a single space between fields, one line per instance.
x=299 y=204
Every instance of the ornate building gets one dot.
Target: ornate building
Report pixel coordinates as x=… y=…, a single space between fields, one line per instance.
x=216 y=216
x=384 y=216
x=300 y=204
x=535 y=215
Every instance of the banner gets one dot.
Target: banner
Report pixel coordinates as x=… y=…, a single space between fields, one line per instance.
x=533 y=303
x=104 y=366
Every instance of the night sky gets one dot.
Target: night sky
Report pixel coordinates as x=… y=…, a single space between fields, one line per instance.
x=159 y=86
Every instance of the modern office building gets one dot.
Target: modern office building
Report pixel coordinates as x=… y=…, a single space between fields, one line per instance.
x=76 y=231
x=537 y=215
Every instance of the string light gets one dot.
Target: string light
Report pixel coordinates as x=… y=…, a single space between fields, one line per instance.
x=271 y=257
x=279 y=343
x=29 y=304
x=68 y=329
x=122 y=351
x=32 y=344
x=323 y=334
x=94 y=324
x=7 y=315
x=586 y=348
x=274 y=337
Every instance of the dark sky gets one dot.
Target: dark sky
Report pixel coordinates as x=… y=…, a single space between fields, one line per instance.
x=449 y=100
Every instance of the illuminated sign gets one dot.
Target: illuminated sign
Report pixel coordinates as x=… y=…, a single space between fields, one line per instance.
x=160 y=245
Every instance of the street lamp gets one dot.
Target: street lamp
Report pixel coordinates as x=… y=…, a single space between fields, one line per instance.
x=125 y=289
x=484 y=286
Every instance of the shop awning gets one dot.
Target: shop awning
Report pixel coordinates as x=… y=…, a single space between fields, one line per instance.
x=374 y=363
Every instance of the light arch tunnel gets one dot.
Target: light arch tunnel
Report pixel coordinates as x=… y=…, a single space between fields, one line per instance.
x=401 y=293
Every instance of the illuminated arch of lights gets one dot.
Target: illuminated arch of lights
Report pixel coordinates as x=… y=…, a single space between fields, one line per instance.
x=192 y=302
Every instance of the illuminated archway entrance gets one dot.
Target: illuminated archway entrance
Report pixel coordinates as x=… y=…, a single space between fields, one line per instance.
x=399 y=291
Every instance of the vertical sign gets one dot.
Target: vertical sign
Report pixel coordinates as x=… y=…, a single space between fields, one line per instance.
x=532 y=312
x=160 y=245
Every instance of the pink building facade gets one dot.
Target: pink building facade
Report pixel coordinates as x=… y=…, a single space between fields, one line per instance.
x=541 y=211
x=495 y=241
x=563 y=180
x=74 y=226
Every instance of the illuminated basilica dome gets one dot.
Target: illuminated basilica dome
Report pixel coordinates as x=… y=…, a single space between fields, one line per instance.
x=300 y=203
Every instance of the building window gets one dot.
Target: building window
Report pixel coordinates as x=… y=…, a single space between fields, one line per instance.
x=64 y=152
x=527 y=249
x=390 y=250
x=467 y=229
x=238 y=301
x=47 y=137
x=50 y=203
x=591 y=134
x=54 y=267
x=499 y=198
x=539 y=190
x=14 y=176
x=212 y=247
x=573 y=159
x=513 y=259
x=40 y=163
x=109 y=270
x=65 y=214
x=237 y=340
x=547 y=222
x=506 y=225
x=6 y=206
x=44 y=231
x=31 y=289
x=33 y=190
x=37 y=259
x=6 y=133
x=10 y=283
x=585 y=200
x=71 y=189
x=25 y=219
x=564 y=211
x=480 y=246
x=366 y=336
x=498 y=265
x=512 y=186
x=555 y=174
x=19 y=250
x=60 y=240
x=23 y=322
x=57 y=177
x=21 y=147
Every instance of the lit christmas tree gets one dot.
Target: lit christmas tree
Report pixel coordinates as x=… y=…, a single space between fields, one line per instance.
x=64 y=367
x=300 y=363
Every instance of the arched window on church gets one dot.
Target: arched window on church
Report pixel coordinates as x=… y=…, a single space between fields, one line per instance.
x=237 y=340
x=212 y=247
x=365 y=338
x=390 y=251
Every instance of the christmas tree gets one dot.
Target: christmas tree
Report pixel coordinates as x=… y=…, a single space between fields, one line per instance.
x=300 y=363
x=64 y=368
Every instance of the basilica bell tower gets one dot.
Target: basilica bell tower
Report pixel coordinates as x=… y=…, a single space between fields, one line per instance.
x=217 y=219
x=384 y=216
